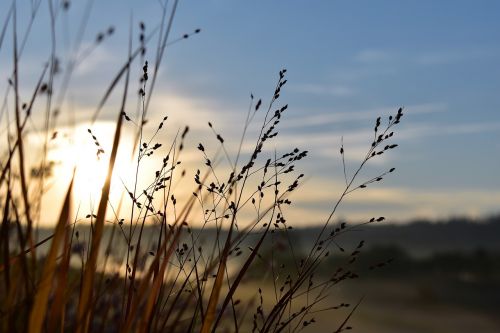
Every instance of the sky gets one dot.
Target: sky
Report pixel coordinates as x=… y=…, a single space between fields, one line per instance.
x=347 y=63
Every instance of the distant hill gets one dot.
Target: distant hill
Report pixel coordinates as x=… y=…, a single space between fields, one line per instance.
x=422 y=237
x=419 y=238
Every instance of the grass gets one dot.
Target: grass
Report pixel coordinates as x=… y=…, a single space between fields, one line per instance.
x=177 y=281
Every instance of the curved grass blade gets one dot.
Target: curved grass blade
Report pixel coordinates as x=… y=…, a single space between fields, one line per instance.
x=91 y=265
x=37 y=314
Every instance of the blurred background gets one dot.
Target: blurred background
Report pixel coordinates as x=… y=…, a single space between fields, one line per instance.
x=347 y=63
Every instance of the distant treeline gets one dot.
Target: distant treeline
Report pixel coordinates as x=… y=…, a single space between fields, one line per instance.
x=417 y=238
x=423 y=238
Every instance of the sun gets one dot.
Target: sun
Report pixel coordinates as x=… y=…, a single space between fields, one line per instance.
x=89 y=158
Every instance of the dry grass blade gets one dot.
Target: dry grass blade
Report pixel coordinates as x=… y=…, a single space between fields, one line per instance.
x=342 y=326
x=91 y=265
x=24 y=185
x=5 y=25
x=143 y=287
x=240 y=276
x=155 y=290
x=14 y=259
x=56 y=314
x=162 y=48
x=4 y=240
x=214 y=296
x=37 y=314
x=125 y=69
x=29 y=107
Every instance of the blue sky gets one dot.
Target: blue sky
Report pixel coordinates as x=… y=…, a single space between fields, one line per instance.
x=348 y=62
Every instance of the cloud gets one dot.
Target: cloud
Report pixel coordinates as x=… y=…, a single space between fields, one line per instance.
x=436 y=203
x=100 y=58
x=324 y=143
x=300 y=131
x=318 y=197
x=360 y=134
x=353 y=116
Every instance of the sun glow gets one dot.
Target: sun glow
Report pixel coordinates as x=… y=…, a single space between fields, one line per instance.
x=88 y=154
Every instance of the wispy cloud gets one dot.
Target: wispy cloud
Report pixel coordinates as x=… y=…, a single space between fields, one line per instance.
x=354 y=116
x=325 y=143
x=99 y=59
x=405 y=203
x=432 y=203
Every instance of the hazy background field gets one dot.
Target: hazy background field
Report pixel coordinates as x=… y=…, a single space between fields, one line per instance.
x=444 y=277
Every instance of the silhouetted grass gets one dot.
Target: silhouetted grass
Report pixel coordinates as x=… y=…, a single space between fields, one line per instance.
x=174 y=279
